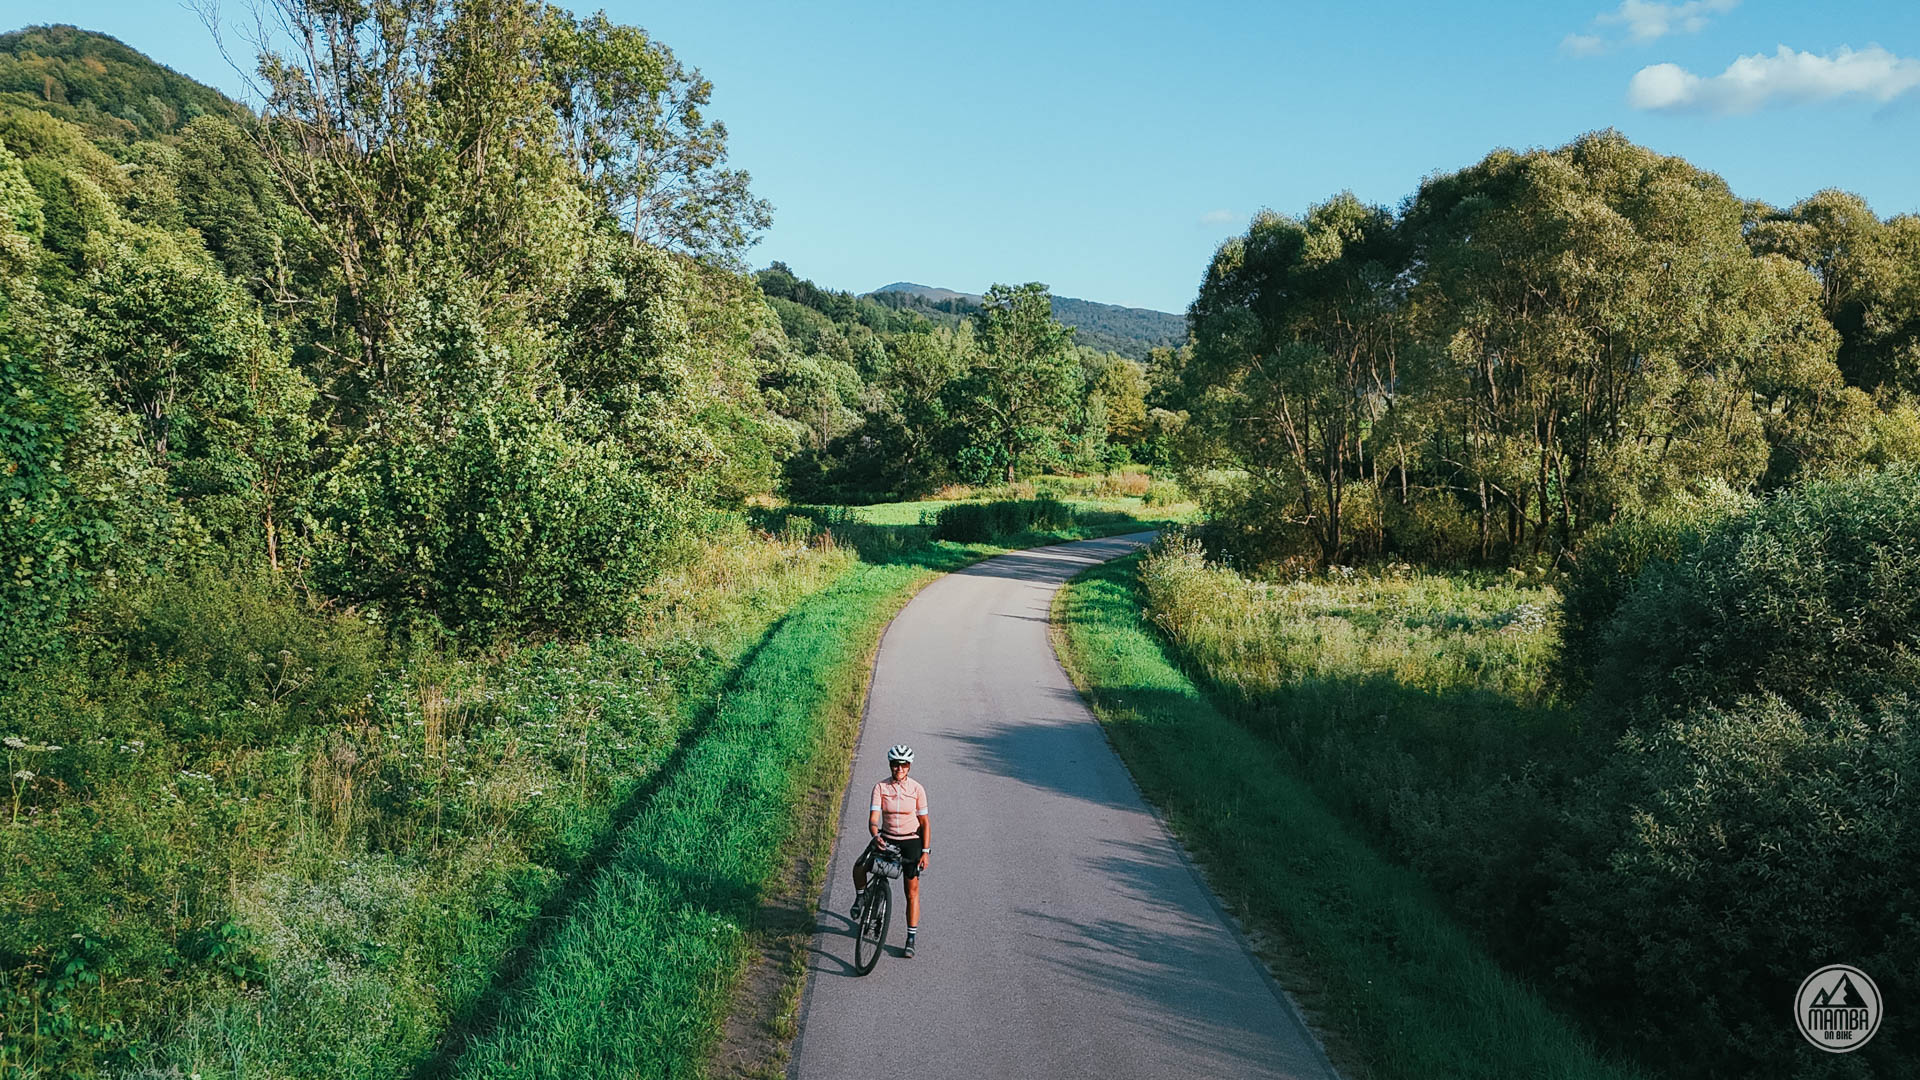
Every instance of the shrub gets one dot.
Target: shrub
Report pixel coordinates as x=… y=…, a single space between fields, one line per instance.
x=1612 y=558
x=1162 y=493
x=980 y=523
x=1745 y=846
x=1430 y=527
x=1817 y=588
x=241 y=659
x=515 y=522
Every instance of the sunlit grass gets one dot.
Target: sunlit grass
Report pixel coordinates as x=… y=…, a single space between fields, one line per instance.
x=1396 y=988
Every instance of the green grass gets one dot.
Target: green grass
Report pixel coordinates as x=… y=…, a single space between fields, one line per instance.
x=637 y=980
x=1395 y=987
x=923 y=511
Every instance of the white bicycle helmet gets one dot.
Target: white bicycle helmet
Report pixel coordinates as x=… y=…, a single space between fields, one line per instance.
x=900 y=752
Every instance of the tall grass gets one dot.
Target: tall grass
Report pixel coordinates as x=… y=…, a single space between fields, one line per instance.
x=1394 y=986
x=243 y=868
x=1423 y=707
x=636 y=981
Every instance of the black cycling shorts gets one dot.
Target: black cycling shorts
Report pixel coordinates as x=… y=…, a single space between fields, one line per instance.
x=909 y=854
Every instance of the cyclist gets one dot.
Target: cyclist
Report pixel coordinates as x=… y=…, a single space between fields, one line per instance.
x=898 y=814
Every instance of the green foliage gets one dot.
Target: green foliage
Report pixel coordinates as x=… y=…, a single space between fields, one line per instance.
x=185 y=355
x=1020 y=386
x=244 y=660
x=980 y=523
x=1295 y=332
x=1869 y=284
x=1746 y=845
x=632 y=121
x=513 y=521
x=1816 y=589
x=96 y=82
x=52 y=535
x=1541 y=342
x=1610 y=564
x=228 y=195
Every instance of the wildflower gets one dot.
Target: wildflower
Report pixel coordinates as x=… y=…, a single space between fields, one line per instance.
x=14 y=742
x=23 y=776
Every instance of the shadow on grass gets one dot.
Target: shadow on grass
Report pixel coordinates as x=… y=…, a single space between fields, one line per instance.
x=1467 y=788
x=480 y=1018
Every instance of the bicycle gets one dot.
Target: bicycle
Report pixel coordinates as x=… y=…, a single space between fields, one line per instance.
x=876 y=908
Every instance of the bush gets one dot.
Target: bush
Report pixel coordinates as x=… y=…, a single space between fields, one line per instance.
x=981 y=523
x=1431 y=527
x=241 y=659
x=1746 y=846
x=1162 y=493
x=1817 y=588
x=1612 y=558
x=1752 y=823
x=515 y=523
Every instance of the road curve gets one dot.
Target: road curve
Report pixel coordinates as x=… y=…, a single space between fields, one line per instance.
x=1063 y=935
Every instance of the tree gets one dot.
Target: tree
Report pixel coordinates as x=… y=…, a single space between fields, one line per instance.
x=632 y=122
x=1296 y=334
x=1869 y=276
x=1599 y=325
x=183 y=353
x=1023 y=378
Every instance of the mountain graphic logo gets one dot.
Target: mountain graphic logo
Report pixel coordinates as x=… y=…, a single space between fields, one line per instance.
x=1838 y=1008
x=1841 y=996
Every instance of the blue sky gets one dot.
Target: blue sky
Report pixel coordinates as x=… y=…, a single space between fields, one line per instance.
x=1107 y=149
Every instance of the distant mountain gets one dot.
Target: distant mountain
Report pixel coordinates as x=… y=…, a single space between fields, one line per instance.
x=1131 y=332
x=115 y=92
x=928 y=291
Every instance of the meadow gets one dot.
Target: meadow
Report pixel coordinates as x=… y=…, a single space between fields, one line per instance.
x=1386 y=975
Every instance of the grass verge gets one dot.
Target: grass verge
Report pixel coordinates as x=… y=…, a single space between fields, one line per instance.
x=639 y=978
x=1393 y=986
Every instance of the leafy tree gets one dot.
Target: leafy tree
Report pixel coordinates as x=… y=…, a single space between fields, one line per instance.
x=419 y=145
x=1869 y=275
x=1022 y=382
x=229 y=195
x=186 y=355
x=633 y=123
x=1601 y=329
x=1294 y=360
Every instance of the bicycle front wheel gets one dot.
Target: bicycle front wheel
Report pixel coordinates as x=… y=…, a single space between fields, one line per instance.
x=871 y=934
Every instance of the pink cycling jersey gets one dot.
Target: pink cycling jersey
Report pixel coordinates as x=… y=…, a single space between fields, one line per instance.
x=901 y=804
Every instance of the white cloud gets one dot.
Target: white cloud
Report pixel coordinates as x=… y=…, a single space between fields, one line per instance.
x=1646 y=20
x=1217 y=217
x=1649 y=21
x=1788 y=77
x=1583 y=45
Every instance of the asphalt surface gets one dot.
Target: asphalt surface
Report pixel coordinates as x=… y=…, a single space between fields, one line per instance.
x=1062 y=934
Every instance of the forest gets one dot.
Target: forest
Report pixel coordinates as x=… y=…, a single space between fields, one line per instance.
x=443 y=371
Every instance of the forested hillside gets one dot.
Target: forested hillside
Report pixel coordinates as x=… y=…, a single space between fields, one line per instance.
x=94 y=81
x=1130 y=332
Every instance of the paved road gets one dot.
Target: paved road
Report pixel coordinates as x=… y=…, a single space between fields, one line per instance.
x=1063 y=934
